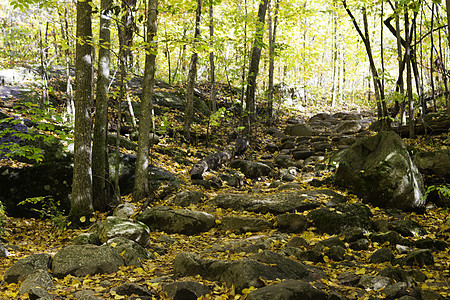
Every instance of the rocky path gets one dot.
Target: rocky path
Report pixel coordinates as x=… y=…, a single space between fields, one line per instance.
x=267 y=228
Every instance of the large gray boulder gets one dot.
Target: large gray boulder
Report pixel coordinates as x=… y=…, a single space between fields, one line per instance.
x=118 y=227
x=25 y=266
x=171 y=220
x=38 y=279
x=132 y=253
x=379 y=170
x=277 y=203
x=251 y=169
x=243 y=224
x=82 y=260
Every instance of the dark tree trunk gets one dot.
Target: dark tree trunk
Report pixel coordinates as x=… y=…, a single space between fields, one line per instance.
x=141 y=188
x=409 y=78
x=81 y=198
x=250 y=101
x=272 y=38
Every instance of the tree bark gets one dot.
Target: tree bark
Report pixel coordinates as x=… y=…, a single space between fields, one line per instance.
x=272 y=38
x=250 y=101
x=189 y=111
x=408 y=78
x=126 y=31
x=447 y=4
x=141 y=188
x=100 y=166
x=211 y=59
x=81 y=198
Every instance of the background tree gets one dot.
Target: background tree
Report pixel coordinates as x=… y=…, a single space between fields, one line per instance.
x=189 y=111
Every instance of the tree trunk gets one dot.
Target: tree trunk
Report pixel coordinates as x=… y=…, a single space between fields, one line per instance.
x=250 y=101
x=141 y=188
x=189 y=111
x=272 y=38
x=432 y=58
x=211 y=59
x=126 y=31
x=409 y=78
x=447 y=4
x=81 y=198
x=100 y=166
x=379 y=92
x=335 y=61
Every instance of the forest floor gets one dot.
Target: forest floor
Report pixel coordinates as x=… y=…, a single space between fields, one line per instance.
x=30 y=236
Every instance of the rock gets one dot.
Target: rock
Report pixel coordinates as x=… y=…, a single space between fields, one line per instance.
x=290 y=186
x=297 y=241
x=271 y=148
x=278 y=203
x=186 y=290
x=398 y=275
x=302 y=154
x=330 y=242
x=293 y=223
x=287 y=145
x=129 y=289
x=321 y=146
x=250 y=169
x=344 y=215
x=283 y=160
x=336 y=253
x=382 y=255
x=360 y=245
x=46 y=180
x=395 y=290
x=434 y=162
x=348 y=127
x=298 y=130
x=124 y=210
x=26 y=266
x=275 y=132
x=369 y=282
x=132 y=253
x=421 y=257
x=241 y=273
x=38 y=279
x=232 y=178
x=391 y=236
x=170 y=220
x=352 y=234
x=87 y=238
x=348 y=278
x=431 y=244
x=185 y=198
x=118 y=227
x=86 y=295
x=82 y=260
x=379 y=170
x=243 y=224
x=3 y=251
x=308 y=255
x=407 y=228
x=288 y=290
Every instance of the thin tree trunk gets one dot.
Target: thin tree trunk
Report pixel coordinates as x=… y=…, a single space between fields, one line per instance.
x=141 y=188
x=100 y=166
x=335 y=63
x=408 y=78
x=180 y=55
x=432 y=57
x=211 y=58
x=189 y=111
x=447 y=5
x=244 y=63
x=399 y=103
x=253 y=69
x=167 y=52
x=272 y=38
x=81 y=198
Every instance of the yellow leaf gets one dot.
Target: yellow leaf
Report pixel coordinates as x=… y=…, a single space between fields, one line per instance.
x=83 y=219
x=360 y=271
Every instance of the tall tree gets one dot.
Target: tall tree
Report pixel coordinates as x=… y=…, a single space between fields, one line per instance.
x=409 y=76
x=250 y=101
x=81 y=198
x=272 y=38
x=141 y=188
x=379 y=91
x=211 y=57
x=447 y=4
x=189 y=111
x=100 y=166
